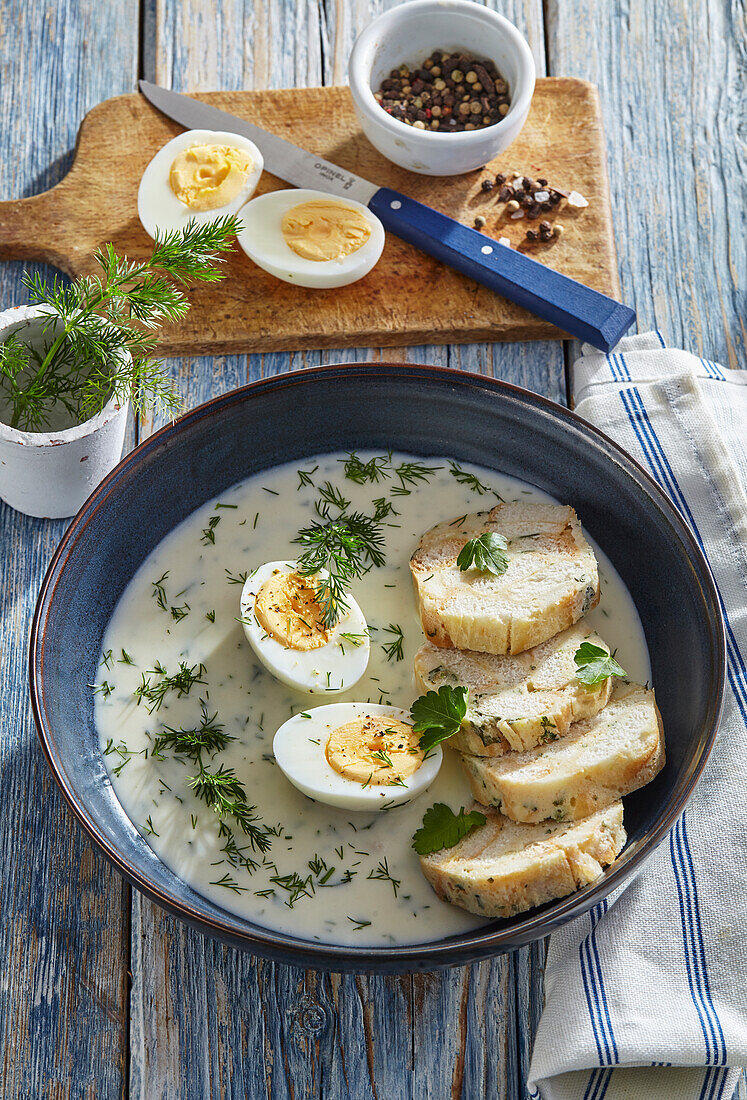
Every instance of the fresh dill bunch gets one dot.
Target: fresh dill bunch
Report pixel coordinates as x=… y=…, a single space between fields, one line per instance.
x=340 y=548
x=98 y=332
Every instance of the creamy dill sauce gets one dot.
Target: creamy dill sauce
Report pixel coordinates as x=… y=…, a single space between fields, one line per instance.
x=345 y=895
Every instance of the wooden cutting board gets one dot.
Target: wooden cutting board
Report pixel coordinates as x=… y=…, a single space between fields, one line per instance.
x=409 y=298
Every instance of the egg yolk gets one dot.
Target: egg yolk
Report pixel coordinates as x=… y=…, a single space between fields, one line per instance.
x=374 y=750
x=287 y=609
x=324 y=230
x=205 y=177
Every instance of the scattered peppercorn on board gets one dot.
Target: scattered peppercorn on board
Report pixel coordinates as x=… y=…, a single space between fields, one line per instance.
x=408 y=298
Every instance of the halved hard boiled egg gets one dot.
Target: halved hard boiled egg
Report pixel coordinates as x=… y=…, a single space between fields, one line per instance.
x=284 y=623
x=359 y=756
x=311 y=239
x=199 y=175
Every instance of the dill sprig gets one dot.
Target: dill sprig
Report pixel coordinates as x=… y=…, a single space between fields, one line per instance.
x=376 y=469
x=394 y=649
x=210 y=735
x=466 y=478
x=224 y=793
x=383 y=508
x=99 y=331
x=358 y=923
x=409 y=474
x=155 y=691
x=208 y=534
x=230 y=883
x=341 y=547
x=384 y=757
x=159 y=591
x=237 y=856
x=295 y=886
x=382 y=872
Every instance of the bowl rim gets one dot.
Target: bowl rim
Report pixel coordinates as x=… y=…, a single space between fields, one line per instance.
x=465 y=947
x=363 y=94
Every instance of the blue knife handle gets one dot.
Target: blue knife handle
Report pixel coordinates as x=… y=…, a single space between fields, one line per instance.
x=571 y=306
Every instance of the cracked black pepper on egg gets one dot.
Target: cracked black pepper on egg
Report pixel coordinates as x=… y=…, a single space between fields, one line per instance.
x=448 y=92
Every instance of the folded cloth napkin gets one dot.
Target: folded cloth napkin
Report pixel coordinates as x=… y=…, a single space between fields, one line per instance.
x=656 y=975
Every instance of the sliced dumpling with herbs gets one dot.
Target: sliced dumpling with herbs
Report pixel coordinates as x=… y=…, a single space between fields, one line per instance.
x=505 y=580
x=598 y=761
x=516 y=701
x=503 y=868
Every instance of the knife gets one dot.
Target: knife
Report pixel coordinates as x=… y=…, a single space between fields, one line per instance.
x=579 y=310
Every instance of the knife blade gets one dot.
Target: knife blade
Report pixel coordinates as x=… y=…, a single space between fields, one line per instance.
x=573 y=307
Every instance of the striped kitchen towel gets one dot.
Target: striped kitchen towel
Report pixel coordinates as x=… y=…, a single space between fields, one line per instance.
x=646 y=995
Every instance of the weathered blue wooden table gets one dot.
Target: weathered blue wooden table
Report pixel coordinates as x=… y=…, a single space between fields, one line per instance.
x=102 y=994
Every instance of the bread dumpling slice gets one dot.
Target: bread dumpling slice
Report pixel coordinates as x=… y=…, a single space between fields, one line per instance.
x=515 y=701
x=551 y=580
x=503 y=868
x=598 y=761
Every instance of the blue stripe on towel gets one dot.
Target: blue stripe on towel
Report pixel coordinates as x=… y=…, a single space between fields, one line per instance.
x=701 y=959
x=714 y=1084
x=693 y=946
x=713 y=370
x=618 y=367
x=596 y=996
x=679 y=848
x=598 y=1084
x=662 y=471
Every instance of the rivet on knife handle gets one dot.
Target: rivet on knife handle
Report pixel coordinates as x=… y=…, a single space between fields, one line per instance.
x=573 y=307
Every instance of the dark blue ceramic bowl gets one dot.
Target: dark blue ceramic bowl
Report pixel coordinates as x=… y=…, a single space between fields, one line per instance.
x=426 y=411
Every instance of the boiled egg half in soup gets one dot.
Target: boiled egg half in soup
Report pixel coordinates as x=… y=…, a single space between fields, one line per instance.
x=311 y=239
x=358 y=756
x=198 y=176
x=284 y=623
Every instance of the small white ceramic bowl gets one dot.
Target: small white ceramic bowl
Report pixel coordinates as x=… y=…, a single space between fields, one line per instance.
x=50 y=474
x=407 y=34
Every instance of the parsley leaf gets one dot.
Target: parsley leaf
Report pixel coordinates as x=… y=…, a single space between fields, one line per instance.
x=486 y=553
x=437 y=715
x=594 y=664
x=442 y=828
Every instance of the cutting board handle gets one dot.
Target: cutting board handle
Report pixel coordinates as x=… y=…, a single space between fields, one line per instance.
x=40 y=228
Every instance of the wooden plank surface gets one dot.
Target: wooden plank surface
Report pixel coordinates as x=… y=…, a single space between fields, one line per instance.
x=672 y=77
x=407 y=297
x=64 y=914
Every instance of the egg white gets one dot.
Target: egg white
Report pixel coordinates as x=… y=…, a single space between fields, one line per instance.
x=304 y=763
x=158 y=207
x=331 y=668
x=262 y=240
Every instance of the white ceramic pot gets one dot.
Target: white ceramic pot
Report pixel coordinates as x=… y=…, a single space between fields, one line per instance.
x=407 y=34
x=50 y=474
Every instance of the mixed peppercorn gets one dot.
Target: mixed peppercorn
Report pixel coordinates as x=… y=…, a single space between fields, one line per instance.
x=525 y=197
x=449 y=92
